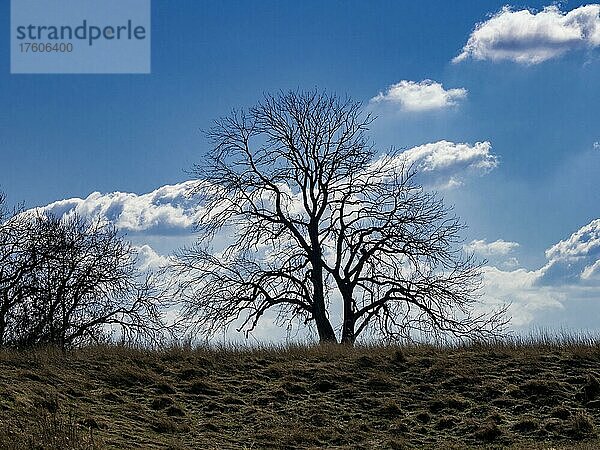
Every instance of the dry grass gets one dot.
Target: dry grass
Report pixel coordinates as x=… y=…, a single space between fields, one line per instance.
x=531 y=393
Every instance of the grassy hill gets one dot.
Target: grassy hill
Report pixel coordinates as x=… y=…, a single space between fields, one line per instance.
x=515 y=396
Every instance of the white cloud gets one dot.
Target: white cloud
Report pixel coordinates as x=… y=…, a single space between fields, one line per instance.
x=597 y=145
x=528 y=37
x=582 y=243
x=445 y=165
x=498 y=253
x=172 y=210
x=497 y=248
x=442 y=165
x=420 y=96
x=576 y=258
x=483 y=248
x=169 y=209
x=591 y=272
x=149 y=259
x=167 y=215
x=444 y=155
x=566 y=289
x=519 y=289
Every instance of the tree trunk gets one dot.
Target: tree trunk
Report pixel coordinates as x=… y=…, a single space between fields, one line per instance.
x=348 y=336
x=324 y=328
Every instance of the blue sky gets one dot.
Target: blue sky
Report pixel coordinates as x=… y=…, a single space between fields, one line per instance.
x=64 y=136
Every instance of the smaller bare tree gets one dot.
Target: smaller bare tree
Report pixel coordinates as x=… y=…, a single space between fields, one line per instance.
x=64 y=281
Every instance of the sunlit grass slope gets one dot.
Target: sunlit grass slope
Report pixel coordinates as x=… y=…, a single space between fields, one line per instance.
x=542 y=394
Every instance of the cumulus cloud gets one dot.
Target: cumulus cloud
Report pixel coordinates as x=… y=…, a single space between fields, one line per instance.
x=149 y=259
x=173 y=210
x=420 y=96
x=444 y=155
x=528 y=37
x=445 y=164
x=168 y=209
x=574 y=259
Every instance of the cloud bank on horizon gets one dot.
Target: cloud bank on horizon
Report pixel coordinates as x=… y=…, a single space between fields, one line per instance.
x=527 y=37
x=568 y=282
x=570 y=276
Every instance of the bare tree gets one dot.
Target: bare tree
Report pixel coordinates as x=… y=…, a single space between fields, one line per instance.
x=318 y=217
x=63 y=281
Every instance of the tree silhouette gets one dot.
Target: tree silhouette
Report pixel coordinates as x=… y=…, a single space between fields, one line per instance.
x=318 y=217
x=64 y=280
